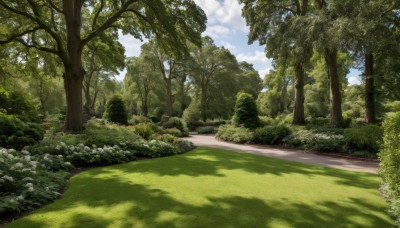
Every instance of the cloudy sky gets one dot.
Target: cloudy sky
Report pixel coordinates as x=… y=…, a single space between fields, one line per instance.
x=227 y=28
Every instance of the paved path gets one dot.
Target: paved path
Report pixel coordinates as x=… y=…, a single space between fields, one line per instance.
x=288 y=154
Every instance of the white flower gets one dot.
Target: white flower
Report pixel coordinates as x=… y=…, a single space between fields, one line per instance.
x=11 y=150
x=18 y=165
x=10 y=156
x=63 y=144
x=58 y=147
x=27 y=158
x=25 y=152
x=29 y=185
x=27 y=179
x=47 y=189
x=20 y=198
x=86 y=148
x=12 y=201
x=67 y=163
x=30 y=189
x=59 y=156
x=11 y=179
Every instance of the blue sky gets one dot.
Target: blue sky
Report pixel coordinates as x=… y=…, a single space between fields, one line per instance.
x=227 y=28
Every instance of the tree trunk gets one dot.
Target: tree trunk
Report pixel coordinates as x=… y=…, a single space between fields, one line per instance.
x=74 y=72
x=169 y=99
x=369 y=89
x=335 y=106
x=204 y=105
x=298 y=114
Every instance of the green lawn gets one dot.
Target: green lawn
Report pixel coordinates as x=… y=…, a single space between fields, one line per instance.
x=216 y=188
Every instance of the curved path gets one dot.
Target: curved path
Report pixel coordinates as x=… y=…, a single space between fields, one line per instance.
x=288 y=154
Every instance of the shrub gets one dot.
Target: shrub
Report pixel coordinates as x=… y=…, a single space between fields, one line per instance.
x=246 y=113
x=318 y=121
x=175 y=122
x=390 y=161
x=27 y=181
x=271 y=134
x=309 y=140
x=147 y=129
x=16 y=134
x=173 y=131
x=139 y=119
x=116 y=110
x=18 y=104
x=265 y=120
x=234 y=134
x=192 y=115
x=206 y=130
x=214 y=123
x=368 y=137
x=181 y=144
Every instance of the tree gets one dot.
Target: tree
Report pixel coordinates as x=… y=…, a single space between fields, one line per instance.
x=116 y=110
x=246 y=111
x=142 y=77
x=64 y=28
x=210 y=64
x=277 y=24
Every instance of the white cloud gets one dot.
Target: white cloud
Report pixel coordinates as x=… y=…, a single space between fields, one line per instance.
x=217 y=31
x=232 y=48
x=354 y=80
x=257 y=57
x=264 y=72
x=227 y=12
x=131 y=44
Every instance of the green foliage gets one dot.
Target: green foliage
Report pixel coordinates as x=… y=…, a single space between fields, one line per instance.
x=246 y=113
x=139 y=119
x=234 y=134
x=265 y=120
x=17 y=134
x=192 y=115
x=307 y=139
x=27 y=181
x=271 y=134
x=146 y=130
x=367 y=137
x=18 y=104
x=116 y=111
x=206 y=130
x=173 y=131
x=390 y=154
x=175 y=122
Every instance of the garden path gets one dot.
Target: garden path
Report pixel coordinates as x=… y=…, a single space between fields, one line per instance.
x=289 y=154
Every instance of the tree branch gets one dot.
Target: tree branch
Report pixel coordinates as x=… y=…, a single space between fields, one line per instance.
x=52 y=5
x=14 y=37
x=40 y=48
x=109 y=22
x=97 y=14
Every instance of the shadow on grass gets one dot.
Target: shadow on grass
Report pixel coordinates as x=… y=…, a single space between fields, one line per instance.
x=144 y=206
x=203 y=163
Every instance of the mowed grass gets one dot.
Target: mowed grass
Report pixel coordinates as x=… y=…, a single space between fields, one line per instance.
x=216 y=188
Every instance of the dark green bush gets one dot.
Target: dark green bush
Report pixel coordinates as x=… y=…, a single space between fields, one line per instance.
x=246 y=113
x=18 y=104
x=234 y=134
x=271 y=134
x=390 y=161
x=206 y=130
x=16 y=134
x=116 y=110
x=318 y=121
x=368 y=137
x=175 y=122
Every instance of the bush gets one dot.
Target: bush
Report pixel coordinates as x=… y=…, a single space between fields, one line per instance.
x=18 y=104
x=146 y=130
x=16 y=134
x=27 y=181
x=139 y=119
x=192 y=115
x=116 y=110
x=271 y=134
x=206 y=130
x=265 y=120
x=309 y=140
x=318 y=121
x=234 y=134
x=182 y=145
x=173 y=131
x=368 y=137
x=246 y=113
x=390 y=161
x=216 y=123
x=175 y=122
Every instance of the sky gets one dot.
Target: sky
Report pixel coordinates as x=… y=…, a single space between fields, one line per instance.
x=227 y=28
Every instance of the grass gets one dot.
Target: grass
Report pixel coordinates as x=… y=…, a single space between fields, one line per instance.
x=216 y=188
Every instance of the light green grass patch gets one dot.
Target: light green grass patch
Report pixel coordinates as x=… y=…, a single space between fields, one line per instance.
x=216 y=188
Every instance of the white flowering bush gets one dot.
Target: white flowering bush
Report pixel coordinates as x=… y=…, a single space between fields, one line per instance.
x=307 y=139
x=28 y=181
x=82 y=155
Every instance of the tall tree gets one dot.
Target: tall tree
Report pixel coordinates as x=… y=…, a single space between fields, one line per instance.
x=277 y=24
x=210 y=64
x=65 y=27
